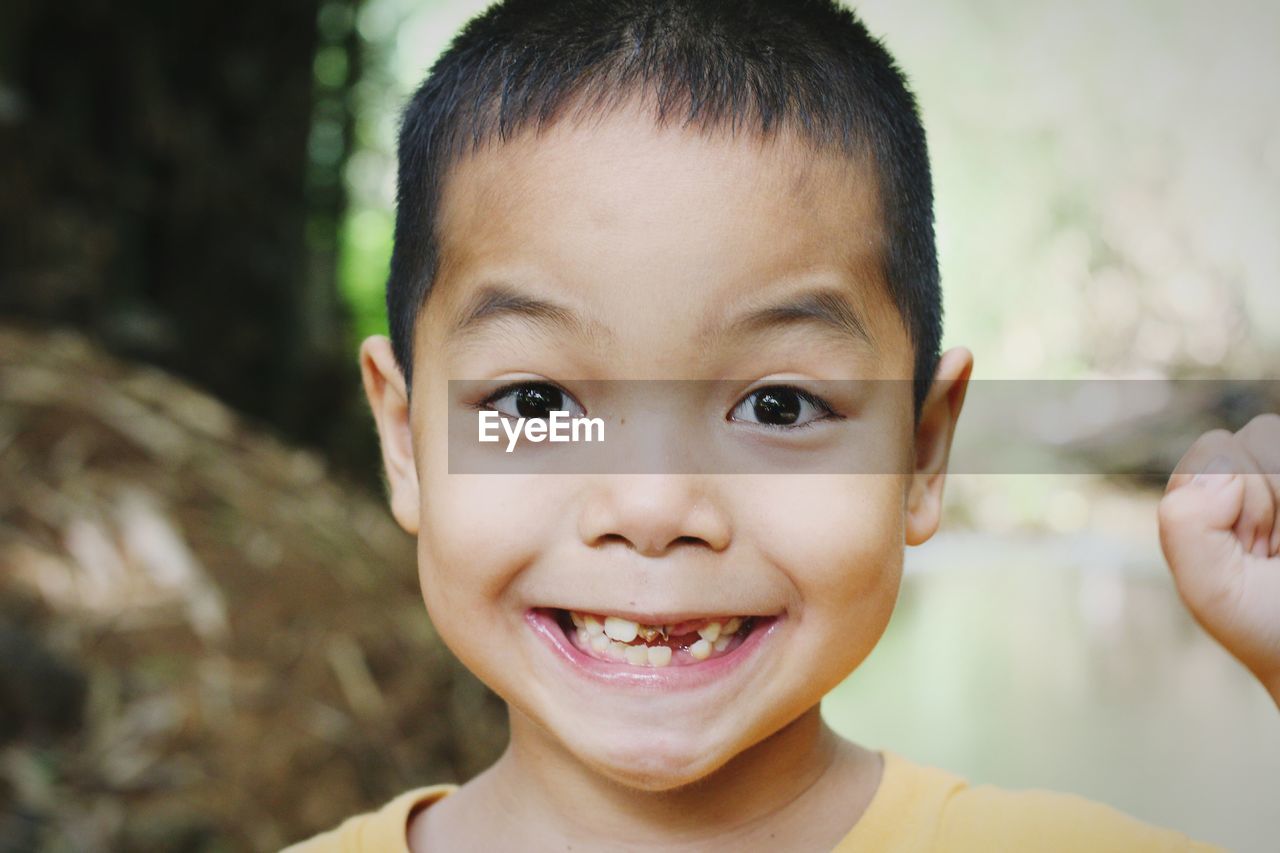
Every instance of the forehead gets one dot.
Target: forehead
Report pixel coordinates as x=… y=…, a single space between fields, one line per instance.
x=621 y=215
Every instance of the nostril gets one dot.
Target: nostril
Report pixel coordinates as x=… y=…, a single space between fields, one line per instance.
x=606 y=539
x=653 y=548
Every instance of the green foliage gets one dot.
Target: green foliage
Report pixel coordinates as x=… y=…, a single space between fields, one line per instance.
x=365 y=252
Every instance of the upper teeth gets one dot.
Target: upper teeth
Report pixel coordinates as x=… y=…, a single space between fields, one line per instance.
x=622 y=630
x=612 y=636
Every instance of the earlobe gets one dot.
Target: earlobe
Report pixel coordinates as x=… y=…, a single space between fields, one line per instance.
x=389 y=401
x=938 y=417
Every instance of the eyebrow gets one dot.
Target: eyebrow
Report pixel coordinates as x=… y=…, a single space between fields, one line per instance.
x=497 y=301
x=824 y=307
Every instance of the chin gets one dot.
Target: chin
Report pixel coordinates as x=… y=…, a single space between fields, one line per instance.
x=655 y=764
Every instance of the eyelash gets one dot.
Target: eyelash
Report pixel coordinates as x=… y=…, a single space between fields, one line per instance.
x=504 y=390
x=828 y=411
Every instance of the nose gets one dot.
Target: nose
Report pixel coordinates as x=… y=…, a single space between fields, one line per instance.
x=654 y=513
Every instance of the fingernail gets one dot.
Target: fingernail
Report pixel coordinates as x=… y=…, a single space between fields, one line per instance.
x=1217 y=465
x=1260 y=546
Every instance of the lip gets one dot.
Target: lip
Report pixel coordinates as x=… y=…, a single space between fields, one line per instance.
x=665 y=678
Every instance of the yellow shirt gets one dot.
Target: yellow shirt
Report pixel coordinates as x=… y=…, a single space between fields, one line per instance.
x=915 y=809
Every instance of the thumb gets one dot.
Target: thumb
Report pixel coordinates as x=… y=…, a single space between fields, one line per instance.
x=1196 y=521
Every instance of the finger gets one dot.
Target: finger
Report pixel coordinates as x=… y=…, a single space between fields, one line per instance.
x=1197 y=531
x=1261 y=440
x=1216 y=442
x=1217 y=453
x=1257 y=516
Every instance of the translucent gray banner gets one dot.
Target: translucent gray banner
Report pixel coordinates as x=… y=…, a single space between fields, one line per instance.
x=1136 y=427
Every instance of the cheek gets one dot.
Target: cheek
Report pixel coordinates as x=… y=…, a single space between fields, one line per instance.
x=477 y=534
x=478 y=531
x=840 y=541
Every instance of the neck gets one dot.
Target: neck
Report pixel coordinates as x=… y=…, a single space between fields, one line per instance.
x=773 y=790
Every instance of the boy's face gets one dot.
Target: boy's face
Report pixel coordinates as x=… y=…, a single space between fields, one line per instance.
x=654 y=242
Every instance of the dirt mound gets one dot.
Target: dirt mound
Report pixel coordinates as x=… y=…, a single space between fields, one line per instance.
x=206 y=641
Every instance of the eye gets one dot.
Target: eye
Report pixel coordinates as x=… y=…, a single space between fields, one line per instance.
x=532 y=400
x=782 y=406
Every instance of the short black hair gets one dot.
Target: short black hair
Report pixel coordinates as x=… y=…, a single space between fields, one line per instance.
x=809 y=66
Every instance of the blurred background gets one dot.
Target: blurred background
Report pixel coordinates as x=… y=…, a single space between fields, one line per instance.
x=210 y=632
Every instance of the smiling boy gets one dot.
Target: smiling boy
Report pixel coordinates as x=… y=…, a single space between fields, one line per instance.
x=735 y=192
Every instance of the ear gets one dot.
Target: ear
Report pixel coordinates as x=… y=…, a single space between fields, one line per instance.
x=938 y=416
x=389 y=400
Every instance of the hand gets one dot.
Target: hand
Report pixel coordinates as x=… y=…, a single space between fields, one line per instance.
x=1220 y=532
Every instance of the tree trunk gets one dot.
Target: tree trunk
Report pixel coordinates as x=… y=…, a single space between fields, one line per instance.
x=157 y=192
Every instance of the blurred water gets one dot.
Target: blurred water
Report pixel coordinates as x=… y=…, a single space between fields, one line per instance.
x=1067 y=662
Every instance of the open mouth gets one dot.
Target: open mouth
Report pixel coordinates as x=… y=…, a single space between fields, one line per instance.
x=689 y=642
